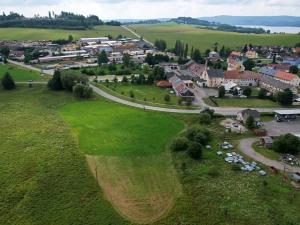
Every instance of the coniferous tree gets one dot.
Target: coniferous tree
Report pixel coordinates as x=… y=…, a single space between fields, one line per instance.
x=55 y=83
x=7 y=82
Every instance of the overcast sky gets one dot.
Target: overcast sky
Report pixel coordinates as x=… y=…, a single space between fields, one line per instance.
x=146 y=9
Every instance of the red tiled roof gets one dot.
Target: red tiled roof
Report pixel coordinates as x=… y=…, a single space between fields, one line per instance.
x=234 y=74
x=285 y=76
x=250 y=75
x=163 y=84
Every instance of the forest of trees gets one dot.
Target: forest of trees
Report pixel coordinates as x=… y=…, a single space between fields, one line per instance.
x=64 y=20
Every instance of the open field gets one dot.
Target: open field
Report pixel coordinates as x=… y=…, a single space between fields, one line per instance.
x=20 y=75
x=243 y=102
x=53 y=34
x=269 y=153
x=126 y=151
x=44 y=177
x=204 y=39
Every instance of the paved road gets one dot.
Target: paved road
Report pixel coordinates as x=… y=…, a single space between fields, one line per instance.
x=137 y=35
x=246 y=147
x=29 y=67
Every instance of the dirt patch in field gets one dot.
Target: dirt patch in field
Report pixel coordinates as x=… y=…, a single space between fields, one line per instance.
x=141 y=192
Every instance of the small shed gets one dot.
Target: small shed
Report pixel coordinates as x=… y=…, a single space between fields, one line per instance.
x=267 y=142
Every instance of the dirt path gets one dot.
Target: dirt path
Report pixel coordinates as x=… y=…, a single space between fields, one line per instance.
x=245 y=146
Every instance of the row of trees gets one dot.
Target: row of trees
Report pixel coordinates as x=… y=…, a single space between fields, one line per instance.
x=78 y=84
x=66 y=20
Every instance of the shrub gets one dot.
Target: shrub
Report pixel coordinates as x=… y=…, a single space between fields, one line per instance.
x=131 y=94
x=82 y=91
x=179 y=144
x=167 y=98
x=70 y=80
x=262 y=94
x=285 y=97
x=204 y=118
x=211 y=112
x=7 y=82
x=235 y=167
x=250 y=123
x=198 y=134
x=247 y=91
x=195 y=150
x=287 y=144
x=221 y=92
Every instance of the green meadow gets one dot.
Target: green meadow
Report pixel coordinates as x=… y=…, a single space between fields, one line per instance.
x=21 y=75
x=68 y=161
x=23 y=34
x=204 y=39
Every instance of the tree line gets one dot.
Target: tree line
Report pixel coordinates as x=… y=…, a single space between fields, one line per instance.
x=64 y=20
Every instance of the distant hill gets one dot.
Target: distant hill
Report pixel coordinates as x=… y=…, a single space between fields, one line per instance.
x=286 y=21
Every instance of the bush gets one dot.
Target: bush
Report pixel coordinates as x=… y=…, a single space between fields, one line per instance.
x=179 y=144
x=70 y=80
x=235 y=167
x=247 y=91
x=195 y=150
x=131 y=94
x=7 y=82
x=285 y=97
x=82 y=91
x=287 y=144
x=211 y=112
x=199 y=135
x=262 y=94
x=250 y=123
x=167 y=98
x=204 y=118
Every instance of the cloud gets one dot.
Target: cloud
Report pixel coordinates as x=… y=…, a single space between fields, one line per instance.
x=145 y=9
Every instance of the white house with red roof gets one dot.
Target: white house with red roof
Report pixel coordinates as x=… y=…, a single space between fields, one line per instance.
x=288 y=78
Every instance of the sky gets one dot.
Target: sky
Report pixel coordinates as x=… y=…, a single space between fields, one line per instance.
x=149 y=9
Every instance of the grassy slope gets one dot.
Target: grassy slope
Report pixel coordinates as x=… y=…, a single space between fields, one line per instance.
x=20 y=74
x=51 y=34
x=44 y=178
x=126 y=147
x=204 y=39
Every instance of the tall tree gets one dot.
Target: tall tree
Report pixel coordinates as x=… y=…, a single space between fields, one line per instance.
x=126 y=59
x=7 y=82
x=55 y=83
x=186 y=50
x=197 y=56
x=102 y=58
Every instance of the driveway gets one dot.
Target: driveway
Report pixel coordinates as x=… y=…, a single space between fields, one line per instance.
x=245 y=146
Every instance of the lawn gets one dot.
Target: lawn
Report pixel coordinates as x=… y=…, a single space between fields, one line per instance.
x=44 y=178
x=243 y=102
x=204 y=39
x=20 y=75
x=53 y=34
x=269 y=153
x=126 y=150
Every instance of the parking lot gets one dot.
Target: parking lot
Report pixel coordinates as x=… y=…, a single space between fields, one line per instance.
x=276 y=129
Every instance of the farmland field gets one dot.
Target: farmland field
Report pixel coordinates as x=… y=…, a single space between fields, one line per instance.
x=52 y=34
x=204 y=39
x=19 y=74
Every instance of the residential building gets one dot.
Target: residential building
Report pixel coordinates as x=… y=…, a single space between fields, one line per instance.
x=213 y=78
x=244 y=79
x=293 y=61
x=181 y=89
x=195 y=68
x=282 y=66
x=233 y=64
x=243 y=115
x=273 y=85
x=267 y=71
x=288 y=78
x=251 y=54
x=214 y=56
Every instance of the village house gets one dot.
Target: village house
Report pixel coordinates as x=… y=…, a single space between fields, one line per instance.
x=267 y=71
x=288 y=78
x=235 y=64
x=293 y=61
x=281 y=66
x=243 y=79
x=213 y=78
x=243 y=115
x=251 y=54
x=181 y=89
x=195 y=68
x=214 y=56
x=273 y=85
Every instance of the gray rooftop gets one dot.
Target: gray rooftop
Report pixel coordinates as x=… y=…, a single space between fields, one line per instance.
x=275 y=83
x=215 y=73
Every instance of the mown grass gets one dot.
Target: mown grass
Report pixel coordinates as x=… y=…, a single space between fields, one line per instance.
x=127 y=148
x=269 y=153
x=53 y=34
x=44 y=178
x=205 y=39
x=243 y=102
x=21 y=75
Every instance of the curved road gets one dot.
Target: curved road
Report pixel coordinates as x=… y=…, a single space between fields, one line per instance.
x=246 y=147
x=223 y=111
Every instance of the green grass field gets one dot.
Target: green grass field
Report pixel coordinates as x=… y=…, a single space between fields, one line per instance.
x=21 y=75
x=53 y=34
x=45 y=178
x=269 y=153
x=243 y=103
x=127 y=148
x=204 y=39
